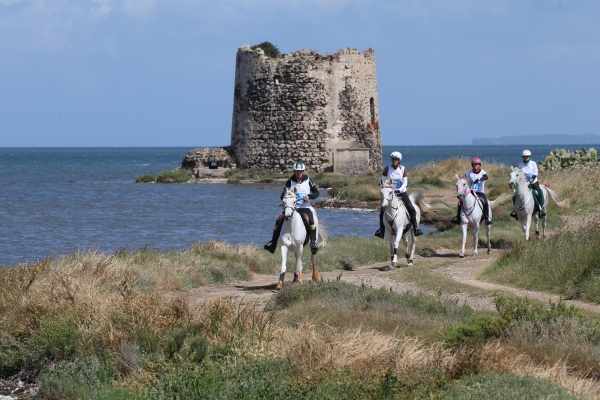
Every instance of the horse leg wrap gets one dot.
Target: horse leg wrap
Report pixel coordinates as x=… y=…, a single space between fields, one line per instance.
x=315 y=276
x=281 y=279
x=297 y=277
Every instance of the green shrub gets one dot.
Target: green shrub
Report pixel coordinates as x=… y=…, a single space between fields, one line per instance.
x=53 y=340
x=174 y=341
x=432 y=180
x=176 y=176
x=11 y=355
x=70 y=379
x=196 y=349
x=504 y=387
x=269 y=48
x=478 y=328
x=146 y=178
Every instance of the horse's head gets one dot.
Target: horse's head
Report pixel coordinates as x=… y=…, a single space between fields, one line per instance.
x=515 y=177
x=289 y=202
x=462 y=187
x=387 y=193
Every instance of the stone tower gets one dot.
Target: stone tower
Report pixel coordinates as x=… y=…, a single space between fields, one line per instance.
x=320 y=109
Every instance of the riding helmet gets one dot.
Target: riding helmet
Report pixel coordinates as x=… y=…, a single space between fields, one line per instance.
x=299 y=166
x=475 y=160
x=397 y=154
x=526 y=153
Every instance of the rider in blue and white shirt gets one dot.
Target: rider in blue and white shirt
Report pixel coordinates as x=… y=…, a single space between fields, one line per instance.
x=477 y=177
x=306 y=191
x=530 y=169
x=399 y=176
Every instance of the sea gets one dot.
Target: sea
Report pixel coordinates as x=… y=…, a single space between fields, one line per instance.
x=56 y=201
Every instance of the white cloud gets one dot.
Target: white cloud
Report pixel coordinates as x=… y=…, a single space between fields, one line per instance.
x=103 y=8
x=138 y=8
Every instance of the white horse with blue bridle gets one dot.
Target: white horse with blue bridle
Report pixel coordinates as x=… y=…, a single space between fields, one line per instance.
x=293 y=236
x=396 y=221
x=471 y=214
x=525 y=204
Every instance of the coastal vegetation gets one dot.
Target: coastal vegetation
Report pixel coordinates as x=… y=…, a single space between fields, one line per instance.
x=122 y=325
x=175 y=176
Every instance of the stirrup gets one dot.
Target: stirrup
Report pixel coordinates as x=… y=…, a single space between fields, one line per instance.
x=514 y=215
x=455 y=221
x=543 y=213
x=270 y=246
x=488 y=221
x=380 y=233
x=418 y=231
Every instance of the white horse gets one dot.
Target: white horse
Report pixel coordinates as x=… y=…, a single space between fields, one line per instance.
x=293 y=235
x=525 y=204
x=397 y=220
x=472 y=213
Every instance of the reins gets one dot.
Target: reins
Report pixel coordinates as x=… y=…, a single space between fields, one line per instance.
x=465 y=193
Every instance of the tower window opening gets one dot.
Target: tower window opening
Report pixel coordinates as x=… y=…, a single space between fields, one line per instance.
x=372 y=104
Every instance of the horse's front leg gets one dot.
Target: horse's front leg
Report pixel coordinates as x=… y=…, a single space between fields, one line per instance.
x=464 y=239
x=475 y=232
x=410 y=257
x=298 y=264
x=393 y=251
x=284 y=252
x=527 y=226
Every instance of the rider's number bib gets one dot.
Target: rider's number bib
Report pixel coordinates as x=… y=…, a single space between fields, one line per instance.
x=300 y=197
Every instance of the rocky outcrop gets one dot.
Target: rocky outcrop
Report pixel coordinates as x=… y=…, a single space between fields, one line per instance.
x=208 y=161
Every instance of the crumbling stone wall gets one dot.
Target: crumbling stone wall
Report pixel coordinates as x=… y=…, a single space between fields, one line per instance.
x=304 y=107
x=208 y=161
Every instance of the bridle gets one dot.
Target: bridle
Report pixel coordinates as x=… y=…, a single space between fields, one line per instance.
x=514 y=184
x=390 y=202
x=464 y=193
x=285 y=206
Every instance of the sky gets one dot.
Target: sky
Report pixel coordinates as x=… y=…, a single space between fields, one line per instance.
x=160 y=73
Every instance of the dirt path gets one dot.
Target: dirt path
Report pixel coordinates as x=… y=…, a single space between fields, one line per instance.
x=262 y=288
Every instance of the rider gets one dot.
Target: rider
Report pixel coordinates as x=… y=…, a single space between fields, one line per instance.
x=477 y=177
x=529 y=168
x=306 y=191
x=399 y=177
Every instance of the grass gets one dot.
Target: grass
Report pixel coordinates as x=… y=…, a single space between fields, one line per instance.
x=145 y=178
x=565 y=264
x=176 y=176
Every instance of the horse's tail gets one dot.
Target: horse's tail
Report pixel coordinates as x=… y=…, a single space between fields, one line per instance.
x=561 y=203
x=500 y=199
x=417 y=198
x=323 y=234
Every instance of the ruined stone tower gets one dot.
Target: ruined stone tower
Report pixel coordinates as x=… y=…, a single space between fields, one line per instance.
x=320 y=109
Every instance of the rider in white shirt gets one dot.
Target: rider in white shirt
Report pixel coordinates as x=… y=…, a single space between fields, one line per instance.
x=530 y=169
x=477 y=177
x=306 y=191
x=398 y=175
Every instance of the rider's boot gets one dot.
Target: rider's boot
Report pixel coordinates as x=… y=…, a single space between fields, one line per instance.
x=486 y=215
x=456 y=220
x=314 y=247
x=416 y=230
x=541 y=205
x=380 y=233
x=272 y=244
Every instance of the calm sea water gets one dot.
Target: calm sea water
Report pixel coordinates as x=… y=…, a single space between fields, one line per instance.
x=55 y=201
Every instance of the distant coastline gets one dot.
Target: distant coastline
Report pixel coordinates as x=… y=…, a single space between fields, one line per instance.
x=554 y=139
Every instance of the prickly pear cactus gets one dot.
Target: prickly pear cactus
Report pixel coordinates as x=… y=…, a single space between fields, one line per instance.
x=561 y=158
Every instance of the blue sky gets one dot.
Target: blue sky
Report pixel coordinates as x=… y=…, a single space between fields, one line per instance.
x=161 y=72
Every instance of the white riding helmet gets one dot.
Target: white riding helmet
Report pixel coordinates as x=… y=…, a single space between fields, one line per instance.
x=526 y=153
x=397 y=154
x=298 y=166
